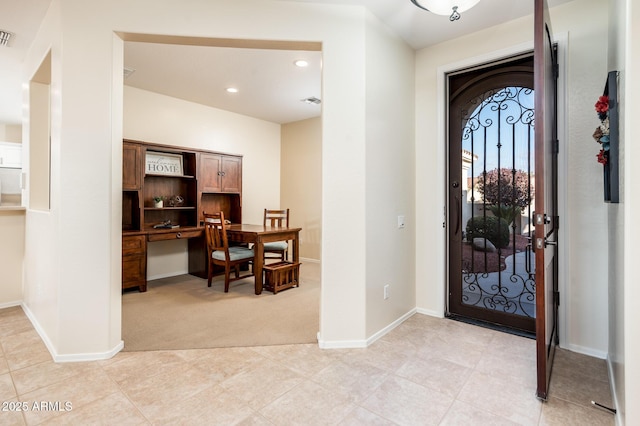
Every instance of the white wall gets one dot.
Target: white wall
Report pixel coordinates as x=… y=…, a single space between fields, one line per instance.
x=586 y=291
x=624 y=232
x=616 y=282
x=390 y=178
x=161 y=119
x=583 y=290
x=630 y=297
x=78 y=310
x=42 y=265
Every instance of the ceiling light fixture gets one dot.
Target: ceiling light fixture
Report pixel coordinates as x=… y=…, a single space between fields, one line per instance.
x=301 y=63
x=232 y=90
x=4 y=37
x=453 y=8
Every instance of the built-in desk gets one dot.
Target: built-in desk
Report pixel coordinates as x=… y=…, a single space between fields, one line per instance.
x=134 y=249
x=134 y=252
x=163 y=183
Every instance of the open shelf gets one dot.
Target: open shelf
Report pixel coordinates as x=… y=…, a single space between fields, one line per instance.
x=170 y=208
x=169 y=176
x=204 y=180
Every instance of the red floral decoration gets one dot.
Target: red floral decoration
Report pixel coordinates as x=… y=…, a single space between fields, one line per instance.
x=601 y=134
x=602 y=158
x=603 y=104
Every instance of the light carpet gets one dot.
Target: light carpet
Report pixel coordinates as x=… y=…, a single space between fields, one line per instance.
x=183 y=313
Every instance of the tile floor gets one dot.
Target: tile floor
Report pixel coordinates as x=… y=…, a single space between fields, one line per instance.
x=427 y=371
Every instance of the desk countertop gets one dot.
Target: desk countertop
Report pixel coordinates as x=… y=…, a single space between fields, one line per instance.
x=4 y=207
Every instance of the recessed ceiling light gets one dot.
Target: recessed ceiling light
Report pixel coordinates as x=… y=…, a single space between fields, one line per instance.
x=232 y=90
x=301 y=63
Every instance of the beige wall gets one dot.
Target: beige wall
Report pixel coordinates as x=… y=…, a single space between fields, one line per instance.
x=301 y=182
x=161 y=119
x=11 y=133
x=11 y=256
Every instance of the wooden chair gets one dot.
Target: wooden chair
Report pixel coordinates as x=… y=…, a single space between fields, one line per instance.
x=220 y=253
x=276 y=218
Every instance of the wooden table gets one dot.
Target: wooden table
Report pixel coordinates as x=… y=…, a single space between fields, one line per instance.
x=258 y=235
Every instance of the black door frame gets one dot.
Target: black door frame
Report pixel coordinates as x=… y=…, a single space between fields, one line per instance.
x=514 y=71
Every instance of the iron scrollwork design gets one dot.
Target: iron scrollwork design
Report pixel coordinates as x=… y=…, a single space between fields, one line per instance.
x=492 y=120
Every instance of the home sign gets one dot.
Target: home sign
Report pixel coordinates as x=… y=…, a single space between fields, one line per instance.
x=162 y=163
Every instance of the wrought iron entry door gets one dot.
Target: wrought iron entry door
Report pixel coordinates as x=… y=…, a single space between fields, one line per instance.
x=491 y=194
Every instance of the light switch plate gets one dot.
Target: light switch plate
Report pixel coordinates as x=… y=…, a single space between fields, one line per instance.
x=400 y=221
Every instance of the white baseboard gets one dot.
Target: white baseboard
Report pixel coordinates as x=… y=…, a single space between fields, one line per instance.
x=353 y=344
x=39 y=330
x=614 y=395
x=390 y=327
x=97 y=356
x=68 y=357
x=586 y=351
x=10 y=304
x=430 y=313
x=167 y=275
x=341 y=344
x=309 y=260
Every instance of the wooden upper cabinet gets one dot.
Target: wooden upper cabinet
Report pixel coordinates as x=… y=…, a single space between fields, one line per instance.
x=131 y=164
x=220 y=173
x=210 y=168
x=231 y=174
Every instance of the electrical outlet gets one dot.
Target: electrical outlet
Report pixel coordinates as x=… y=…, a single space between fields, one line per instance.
x=386 y=291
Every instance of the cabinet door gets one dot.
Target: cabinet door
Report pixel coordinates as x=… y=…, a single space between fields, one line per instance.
x=10 y=155
x=231 y=174
x=131 y=166
x=210 y=173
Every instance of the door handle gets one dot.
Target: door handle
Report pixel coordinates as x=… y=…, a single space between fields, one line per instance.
x=458 y=214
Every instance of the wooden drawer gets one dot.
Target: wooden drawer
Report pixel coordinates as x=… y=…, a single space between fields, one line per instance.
x=133 y=245
x=134 y=262
x=175 y=235
x=134 y=271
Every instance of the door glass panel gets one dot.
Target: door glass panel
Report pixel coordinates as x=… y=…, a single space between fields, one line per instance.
x=497 y=202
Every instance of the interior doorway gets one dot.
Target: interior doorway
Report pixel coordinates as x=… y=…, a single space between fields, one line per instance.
x=491 y=191
x=169 y=260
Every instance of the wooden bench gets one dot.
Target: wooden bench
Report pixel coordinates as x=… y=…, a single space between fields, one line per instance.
x=281 y=275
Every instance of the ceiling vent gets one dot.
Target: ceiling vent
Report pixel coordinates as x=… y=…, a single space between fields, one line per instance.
x=4 y=37
x=311 y=100
x=128 y=72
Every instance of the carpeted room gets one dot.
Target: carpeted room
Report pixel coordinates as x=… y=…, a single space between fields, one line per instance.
x=181 y=312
